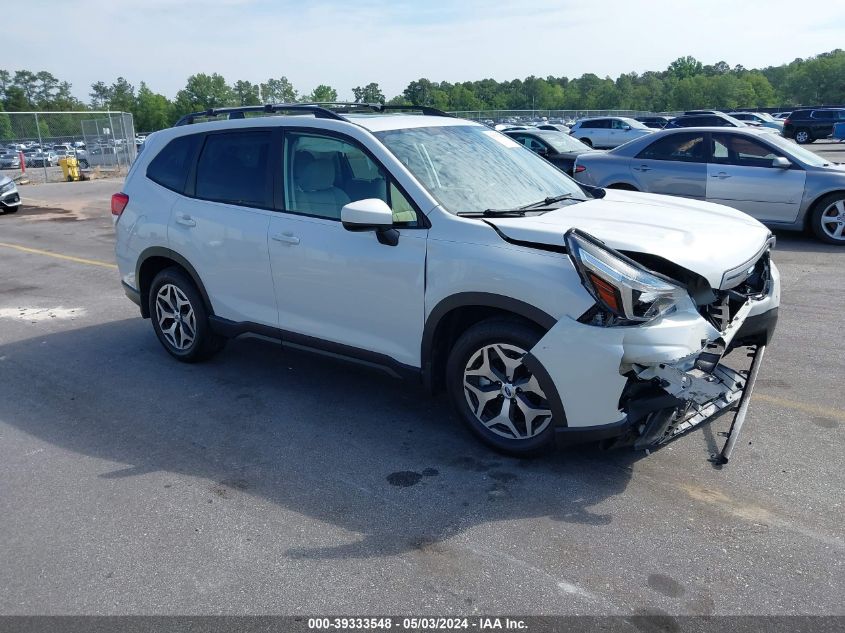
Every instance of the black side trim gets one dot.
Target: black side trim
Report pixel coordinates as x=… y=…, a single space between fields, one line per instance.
x=131 y=293
x=756 y=330
x=548 y=385
x=159 y=251
x=483 y=299
x=567 y=436
x=231 y=329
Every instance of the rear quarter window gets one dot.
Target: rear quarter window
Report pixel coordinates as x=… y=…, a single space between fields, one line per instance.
x=171 y=165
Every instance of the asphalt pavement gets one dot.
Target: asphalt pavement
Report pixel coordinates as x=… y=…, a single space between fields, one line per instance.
x=271 y=481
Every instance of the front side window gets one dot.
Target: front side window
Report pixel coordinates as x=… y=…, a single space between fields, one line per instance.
x=234 y=168
x=687 y=148
x=468 y=168
x=171 y=165
x=324 y=173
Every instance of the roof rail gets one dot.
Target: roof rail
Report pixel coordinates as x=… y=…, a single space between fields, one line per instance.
x=268 y=108
x=321 y=110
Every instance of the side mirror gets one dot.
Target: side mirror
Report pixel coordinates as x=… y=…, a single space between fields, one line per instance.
x=370 y=214
x=781 y=163
x=626 y=127
x=542 y=151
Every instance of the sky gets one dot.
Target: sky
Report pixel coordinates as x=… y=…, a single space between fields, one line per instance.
x=354 y=42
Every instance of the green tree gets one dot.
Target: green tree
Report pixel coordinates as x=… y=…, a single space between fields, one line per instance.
x=371 y=93
x=202 y=92
x=685 y=67
x=278 y=91
x=100 y=95
x=151 y=111
x=420 y=92
x=16 y=100
x=322 y=93
x=121 y=96
x=246 y=93
x=5 y=126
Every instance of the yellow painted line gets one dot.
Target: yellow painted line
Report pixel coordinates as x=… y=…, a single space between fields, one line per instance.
x=70 y=258
x=813 y=409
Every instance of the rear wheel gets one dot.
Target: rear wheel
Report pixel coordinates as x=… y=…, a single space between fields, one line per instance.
x=802 y=136
x=828 y=219
x=586 y=142
x=494 y=393
x=180 y=319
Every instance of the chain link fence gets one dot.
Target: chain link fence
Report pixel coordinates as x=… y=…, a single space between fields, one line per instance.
x=556 y=116
x=31 y=143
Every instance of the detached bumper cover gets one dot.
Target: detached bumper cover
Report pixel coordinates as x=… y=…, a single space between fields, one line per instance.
x=679 y=357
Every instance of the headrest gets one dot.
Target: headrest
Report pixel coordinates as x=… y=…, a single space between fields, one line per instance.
x=311 y=173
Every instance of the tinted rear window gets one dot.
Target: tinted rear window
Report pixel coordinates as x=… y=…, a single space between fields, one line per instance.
x=233 y=168
x=171 y=166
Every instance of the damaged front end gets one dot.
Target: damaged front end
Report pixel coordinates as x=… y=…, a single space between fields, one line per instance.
x=668 y=333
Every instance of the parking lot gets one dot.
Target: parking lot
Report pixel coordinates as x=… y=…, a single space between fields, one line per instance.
x=271 y=481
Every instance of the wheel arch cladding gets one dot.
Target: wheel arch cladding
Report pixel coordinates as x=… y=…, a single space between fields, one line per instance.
x=155 y=259
x=455 y=314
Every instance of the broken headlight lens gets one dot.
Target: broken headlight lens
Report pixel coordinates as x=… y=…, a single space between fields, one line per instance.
x=618 y=284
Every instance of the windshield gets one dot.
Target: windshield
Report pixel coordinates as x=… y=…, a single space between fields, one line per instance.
x=634 y=123
x=797 y=151
x=469 y=168
x=562 y=142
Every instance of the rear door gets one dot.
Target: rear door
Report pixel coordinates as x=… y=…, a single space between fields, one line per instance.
x=741 y=174
x=221 y=228
x=674 y=164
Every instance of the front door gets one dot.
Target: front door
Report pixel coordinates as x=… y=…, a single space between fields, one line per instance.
x=741 y=174
x=342 y=286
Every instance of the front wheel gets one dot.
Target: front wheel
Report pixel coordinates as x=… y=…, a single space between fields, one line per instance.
x=180 y=319
x=828 y=219
x=494 y=393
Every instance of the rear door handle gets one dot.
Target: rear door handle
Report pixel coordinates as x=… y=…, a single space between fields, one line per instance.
x=286 y=237
x=643 y=168
x=721 y=174
x=185 y=220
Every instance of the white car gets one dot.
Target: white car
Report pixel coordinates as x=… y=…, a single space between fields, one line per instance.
x=441 y=250
x=608 y=132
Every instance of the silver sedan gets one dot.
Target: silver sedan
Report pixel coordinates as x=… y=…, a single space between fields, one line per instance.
x=766 y=176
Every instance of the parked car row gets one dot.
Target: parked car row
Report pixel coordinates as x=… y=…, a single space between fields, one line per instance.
x=761 y=174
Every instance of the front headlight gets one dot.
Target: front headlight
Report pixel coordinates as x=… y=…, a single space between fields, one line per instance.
x=7 y=187
x=617 y=283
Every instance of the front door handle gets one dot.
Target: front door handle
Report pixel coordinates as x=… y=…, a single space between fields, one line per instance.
x=643 y=168
x=185 y=220
x=286 y=237
x=721 y=175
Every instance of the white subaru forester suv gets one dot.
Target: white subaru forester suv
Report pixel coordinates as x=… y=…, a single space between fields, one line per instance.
x=439 y=249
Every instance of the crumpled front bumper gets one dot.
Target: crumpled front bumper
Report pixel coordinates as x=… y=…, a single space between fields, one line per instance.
x=677 y=358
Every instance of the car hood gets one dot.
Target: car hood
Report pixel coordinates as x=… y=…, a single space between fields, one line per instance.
x=4 y=180
x=708 y=239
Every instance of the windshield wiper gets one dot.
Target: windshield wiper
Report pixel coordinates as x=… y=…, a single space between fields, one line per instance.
x=545 y=202
x=491 y=213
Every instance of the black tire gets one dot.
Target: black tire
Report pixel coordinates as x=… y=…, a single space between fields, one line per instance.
x=816 y=218
x=489 y=332
x=11 y=210
x=803 y=136
x=205 y=342
x=622 y=186
x=586 y=142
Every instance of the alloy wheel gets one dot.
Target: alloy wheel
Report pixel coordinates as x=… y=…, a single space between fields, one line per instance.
x=802 y=136
x=833 y=220
x=176 y=317
x=503 y=395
